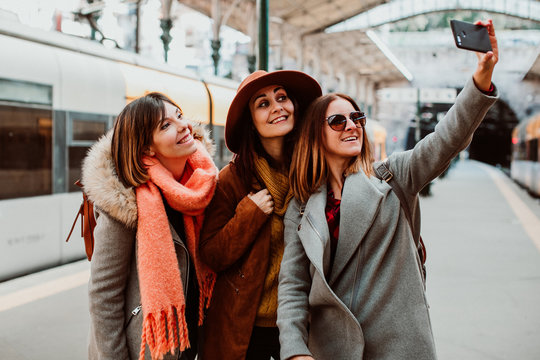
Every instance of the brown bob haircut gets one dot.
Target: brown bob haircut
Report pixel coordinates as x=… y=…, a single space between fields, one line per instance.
x=133 y=135
x=309 y=169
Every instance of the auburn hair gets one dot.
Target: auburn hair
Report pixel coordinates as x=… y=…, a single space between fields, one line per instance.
x=133 y=134
x=309 y=169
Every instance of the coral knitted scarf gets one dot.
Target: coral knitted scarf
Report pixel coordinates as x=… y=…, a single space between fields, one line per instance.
x=162 y=294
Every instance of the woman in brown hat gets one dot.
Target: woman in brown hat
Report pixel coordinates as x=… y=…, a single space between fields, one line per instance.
x=242 y=237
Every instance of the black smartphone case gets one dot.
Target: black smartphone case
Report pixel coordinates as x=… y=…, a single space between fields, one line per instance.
x=470 y=36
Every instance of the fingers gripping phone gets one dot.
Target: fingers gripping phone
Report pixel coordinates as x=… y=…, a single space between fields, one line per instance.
x=470 y=36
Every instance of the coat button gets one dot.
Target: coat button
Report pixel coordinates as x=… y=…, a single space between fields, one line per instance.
x=299 y=227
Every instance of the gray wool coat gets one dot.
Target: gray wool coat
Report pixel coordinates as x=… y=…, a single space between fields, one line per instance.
x=116 y=316
x=371 y=304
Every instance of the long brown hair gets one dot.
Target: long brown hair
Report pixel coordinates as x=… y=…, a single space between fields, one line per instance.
x=133 y=134
x=309 y=169
x=244 y=161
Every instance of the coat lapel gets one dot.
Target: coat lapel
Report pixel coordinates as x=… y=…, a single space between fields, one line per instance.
x=360 y=203
x=313 y=231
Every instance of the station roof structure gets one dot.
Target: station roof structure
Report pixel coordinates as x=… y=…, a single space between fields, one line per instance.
x=308 y=16
x=361 y=53
x=314 y=16
x=356 y=52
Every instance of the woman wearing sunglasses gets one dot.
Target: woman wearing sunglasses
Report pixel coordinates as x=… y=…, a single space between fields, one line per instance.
x=350 y=282
x=242 y=238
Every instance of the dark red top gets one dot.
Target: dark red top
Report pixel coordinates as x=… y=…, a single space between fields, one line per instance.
x=332 y=218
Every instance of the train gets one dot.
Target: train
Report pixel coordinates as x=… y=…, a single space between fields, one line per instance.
x=58 y=95
x=525 y=164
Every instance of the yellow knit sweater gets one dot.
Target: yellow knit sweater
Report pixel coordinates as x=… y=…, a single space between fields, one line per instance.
x=277 y=184
x=267 y=311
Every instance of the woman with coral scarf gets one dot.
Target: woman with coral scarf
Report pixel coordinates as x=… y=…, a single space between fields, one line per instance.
x=150 y=180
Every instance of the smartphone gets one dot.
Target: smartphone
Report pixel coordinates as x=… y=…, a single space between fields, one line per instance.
x=470 y=36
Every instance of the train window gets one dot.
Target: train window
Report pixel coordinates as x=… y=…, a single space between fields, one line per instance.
x=521 y=152
x=25 y=151
x=225 y=155
x=25 y=92
x=76 y=155
x=88 y=130
x=222 y=149
x=533 y=150
x=83 y=130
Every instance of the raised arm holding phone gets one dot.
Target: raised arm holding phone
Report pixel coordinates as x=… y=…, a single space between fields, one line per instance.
x=350 y=286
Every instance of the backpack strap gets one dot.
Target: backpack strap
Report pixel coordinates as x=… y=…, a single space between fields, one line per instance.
x=75 y=222
x=383 y=172
x=88 y=223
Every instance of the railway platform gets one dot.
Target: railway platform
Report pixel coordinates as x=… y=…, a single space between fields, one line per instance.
x=482 y=234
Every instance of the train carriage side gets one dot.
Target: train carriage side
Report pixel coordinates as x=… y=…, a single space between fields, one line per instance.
x=517 y=165
x=54 y=103
x=58 y=95
x=534 y=143
x=525 y=165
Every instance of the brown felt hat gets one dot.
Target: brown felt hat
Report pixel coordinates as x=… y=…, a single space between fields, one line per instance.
x=301 y=86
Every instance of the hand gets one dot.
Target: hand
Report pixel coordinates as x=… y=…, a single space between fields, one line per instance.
x=487 y=61
x=302 y=357
x=263 y=200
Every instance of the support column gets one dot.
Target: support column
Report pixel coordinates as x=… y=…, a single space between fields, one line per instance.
x=138 y=26
x=93 y=18
x=370 y=98
x=166 y=38
x=215 y=43
x=262 y=6
x=166 y=24
x=375 y=101
x=361 y=91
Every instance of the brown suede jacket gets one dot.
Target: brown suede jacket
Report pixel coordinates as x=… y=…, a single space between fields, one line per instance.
x=235 y=242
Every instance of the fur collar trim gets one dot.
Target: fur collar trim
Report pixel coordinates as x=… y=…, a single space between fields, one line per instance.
x=105 y=189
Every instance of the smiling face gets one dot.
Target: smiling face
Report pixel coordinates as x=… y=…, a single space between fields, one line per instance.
x=341 y=146
x=272 y=112
x=172 y=139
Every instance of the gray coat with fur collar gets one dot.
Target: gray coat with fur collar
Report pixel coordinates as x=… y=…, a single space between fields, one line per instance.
x=371 y=304
x=114 y=296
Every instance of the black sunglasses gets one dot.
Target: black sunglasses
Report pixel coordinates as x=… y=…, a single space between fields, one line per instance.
x=338 y=122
